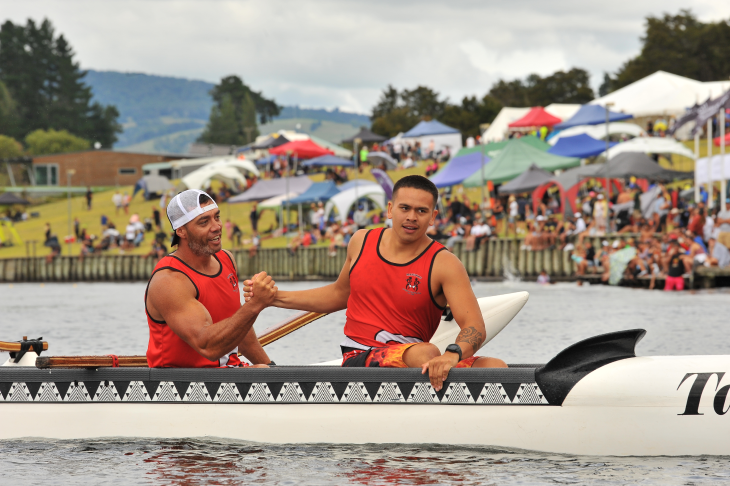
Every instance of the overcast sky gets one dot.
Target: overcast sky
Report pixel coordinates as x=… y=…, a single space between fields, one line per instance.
x=338 y=53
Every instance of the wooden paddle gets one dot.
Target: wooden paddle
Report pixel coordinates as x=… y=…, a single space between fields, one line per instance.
x=15 y=347
x=271 y=334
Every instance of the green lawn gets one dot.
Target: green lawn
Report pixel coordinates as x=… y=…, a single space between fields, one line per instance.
x=56 y=213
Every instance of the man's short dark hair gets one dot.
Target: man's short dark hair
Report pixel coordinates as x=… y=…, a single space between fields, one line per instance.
x=202 y=199
x=417 y=182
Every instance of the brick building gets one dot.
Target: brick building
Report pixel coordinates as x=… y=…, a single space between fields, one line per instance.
x=95 y=167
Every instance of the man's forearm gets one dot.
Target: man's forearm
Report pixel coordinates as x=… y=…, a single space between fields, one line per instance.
x=223 y=336
x=470 y=339
x=324 y=299
x=251 y=348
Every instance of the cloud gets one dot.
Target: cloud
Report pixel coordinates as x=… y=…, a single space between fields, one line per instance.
x=513 y=64
x=342 y=54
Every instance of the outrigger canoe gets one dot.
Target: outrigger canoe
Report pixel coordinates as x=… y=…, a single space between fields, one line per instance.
x=595 y=397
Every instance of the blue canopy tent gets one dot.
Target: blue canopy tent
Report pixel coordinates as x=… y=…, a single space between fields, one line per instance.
x=328 y=160
x=266 y=160
x=317 y=192
x=580 y=146
x=458 y=169
x=426 y=128
x=591 y=115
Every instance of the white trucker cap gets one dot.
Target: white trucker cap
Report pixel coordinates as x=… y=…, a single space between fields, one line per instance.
x=185 y=207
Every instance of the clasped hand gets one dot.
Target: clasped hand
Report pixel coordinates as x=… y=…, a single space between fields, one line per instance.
x=260 y=290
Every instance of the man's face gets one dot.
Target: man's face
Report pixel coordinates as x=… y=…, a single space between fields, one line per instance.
x=412 y=211
x=204 y=233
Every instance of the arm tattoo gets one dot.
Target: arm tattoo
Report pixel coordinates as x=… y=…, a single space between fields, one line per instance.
x=470 y=336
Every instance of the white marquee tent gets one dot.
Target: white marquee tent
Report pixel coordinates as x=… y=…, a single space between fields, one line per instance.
x=716 y=165
x=497 y=131
x=344 y=200
x=651 y=145
x=226 y=169
x=200 y=178
x=662 y=94
x=599 y=131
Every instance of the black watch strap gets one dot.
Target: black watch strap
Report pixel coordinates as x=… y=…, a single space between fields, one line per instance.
x=454 y=348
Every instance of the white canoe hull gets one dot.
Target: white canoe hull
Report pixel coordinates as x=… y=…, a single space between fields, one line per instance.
x=636 y=406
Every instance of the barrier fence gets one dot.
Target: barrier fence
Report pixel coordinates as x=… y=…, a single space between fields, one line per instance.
x=493 y=259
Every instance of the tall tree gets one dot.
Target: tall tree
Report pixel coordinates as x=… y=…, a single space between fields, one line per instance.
x=560 y=87
x=510 y=93
x=234 y=99
x=679 y=44
x=605 y=86
x=47 y=85
x=222 y=126
x=8 y=111
x=9 y=148
x=41 y=142
x=397 y=112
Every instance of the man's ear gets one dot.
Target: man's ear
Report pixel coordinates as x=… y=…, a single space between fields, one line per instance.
x=390 y=210
x=433 y=217
x=180 y=232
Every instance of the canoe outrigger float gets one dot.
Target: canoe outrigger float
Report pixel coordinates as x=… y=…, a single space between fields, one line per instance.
x=595 y=397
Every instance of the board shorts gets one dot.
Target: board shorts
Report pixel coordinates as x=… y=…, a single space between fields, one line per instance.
x=674 y=283
x=388 y=357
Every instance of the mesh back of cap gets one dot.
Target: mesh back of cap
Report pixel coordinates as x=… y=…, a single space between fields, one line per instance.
x=185 y=207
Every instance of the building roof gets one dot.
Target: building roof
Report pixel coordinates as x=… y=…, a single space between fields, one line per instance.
x=210 y=149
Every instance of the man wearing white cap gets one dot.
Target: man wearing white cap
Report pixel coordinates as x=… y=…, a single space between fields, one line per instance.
x=192 y=300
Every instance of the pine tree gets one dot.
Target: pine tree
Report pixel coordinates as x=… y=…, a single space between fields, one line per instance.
x=222 y=127
x=248 y=119
x=245 y=105
x=48 y=86
x=8 y=111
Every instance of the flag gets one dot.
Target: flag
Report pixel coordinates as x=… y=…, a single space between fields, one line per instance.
x=385 y=181
x=708 y=109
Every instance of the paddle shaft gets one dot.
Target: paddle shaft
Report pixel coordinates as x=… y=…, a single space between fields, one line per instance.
x=271 y=334
x=15 y=347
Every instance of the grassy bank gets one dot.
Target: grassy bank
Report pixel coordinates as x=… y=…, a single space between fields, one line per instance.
x=56 y=213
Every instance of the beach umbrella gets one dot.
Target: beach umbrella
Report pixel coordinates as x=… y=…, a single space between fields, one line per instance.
x=377 y=158
x=618 y=263
x=528 y=181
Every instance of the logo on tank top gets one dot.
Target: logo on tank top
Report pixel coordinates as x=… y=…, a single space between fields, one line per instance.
x=233 y=280
x=413 y=280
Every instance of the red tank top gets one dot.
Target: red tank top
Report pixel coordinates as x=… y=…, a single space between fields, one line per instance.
x=219 y=295
x=390 y=302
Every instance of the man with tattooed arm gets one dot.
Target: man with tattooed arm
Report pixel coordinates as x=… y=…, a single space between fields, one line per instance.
x=395 y=284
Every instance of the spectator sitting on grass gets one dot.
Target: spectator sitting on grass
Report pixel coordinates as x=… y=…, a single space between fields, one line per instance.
x=255 y=244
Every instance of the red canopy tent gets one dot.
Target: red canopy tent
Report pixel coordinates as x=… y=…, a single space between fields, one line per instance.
x=568 y=195
x=303 y=149
x=536 y=117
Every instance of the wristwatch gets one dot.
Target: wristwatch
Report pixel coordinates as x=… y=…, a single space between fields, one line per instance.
x=454 y=348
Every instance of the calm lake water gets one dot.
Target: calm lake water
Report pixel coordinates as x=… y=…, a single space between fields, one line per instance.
x=106 y=318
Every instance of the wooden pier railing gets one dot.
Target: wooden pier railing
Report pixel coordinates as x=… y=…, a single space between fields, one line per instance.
x=493 y=260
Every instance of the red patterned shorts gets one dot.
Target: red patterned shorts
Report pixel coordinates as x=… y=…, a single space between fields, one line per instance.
x=388 y=357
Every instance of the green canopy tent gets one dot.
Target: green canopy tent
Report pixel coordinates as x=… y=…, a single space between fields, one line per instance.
x=515 y=158
x=495 y=146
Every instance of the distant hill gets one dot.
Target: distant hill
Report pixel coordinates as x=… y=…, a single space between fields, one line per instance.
x=165 y=114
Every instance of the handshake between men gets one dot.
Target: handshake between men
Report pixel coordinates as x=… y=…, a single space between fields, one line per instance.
x=260 y=291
